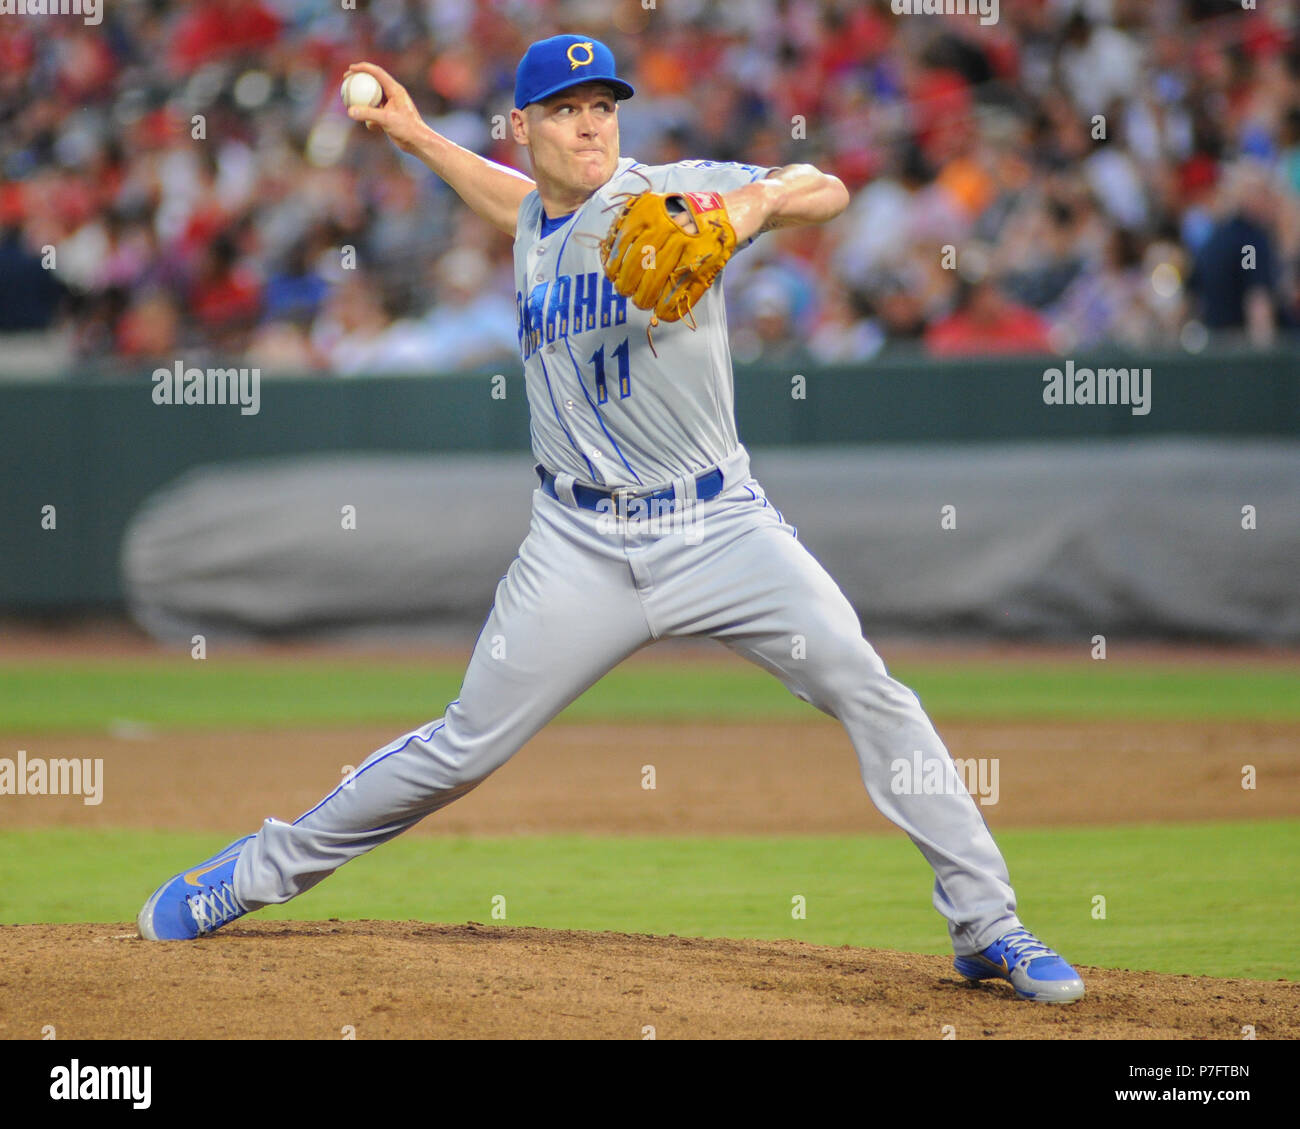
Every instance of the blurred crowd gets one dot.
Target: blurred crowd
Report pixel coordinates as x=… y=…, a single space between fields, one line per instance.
x=1081 y=173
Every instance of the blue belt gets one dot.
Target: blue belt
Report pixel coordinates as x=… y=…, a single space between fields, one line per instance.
x=707 y=485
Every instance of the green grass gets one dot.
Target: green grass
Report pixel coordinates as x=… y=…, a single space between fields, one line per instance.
x=223 y=693
x=1216 y=899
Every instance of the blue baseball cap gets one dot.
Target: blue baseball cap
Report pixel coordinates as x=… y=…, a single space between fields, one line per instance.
x=552 y=65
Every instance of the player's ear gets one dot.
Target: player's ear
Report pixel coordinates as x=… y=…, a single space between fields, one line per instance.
x=519 y=126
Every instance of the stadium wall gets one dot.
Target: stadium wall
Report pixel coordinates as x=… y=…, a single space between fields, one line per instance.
x=95 y=449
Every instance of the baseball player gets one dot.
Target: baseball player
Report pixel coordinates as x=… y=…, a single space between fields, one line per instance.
x=646 y=522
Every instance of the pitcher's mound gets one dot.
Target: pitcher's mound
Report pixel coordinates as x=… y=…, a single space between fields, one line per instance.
x=385 y=979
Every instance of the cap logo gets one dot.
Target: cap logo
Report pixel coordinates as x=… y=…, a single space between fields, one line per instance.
x=574 y=61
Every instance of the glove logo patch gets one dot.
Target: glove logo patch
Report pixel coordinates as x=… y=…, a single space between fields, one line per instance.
x=574 y=61
x=704 y=201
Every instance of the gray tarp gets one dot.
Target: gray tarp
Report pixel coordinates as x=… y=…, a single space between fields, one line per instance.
x=1138 y=539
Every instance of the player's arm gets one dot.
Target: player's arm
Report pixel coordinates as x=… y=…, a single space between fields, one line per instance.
x=788 y=197
x=491 y=190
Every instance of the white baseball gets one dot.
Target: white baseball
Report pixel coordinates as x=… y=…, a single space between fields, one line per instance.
x=362 y=89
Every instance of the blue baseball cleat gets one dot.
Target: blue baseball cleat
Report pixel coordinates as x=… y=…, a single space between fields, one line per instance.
x=1035 y=971
x=195 y=902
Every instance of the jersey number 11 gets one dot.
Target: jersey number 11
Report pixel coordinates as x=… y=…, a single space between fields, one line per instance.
x=624 y=372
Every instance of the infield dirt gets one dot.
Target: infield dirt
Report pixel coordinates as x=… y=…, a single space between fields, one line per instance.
x=711 y=779
x=311 y=980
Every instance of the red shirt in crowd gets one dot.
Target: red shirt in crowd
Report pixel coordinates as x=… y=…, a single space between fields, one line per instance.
x=1008 y=329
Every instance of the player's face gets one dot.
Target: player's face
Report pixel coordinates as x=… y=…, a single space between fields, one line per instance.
x=573 y=139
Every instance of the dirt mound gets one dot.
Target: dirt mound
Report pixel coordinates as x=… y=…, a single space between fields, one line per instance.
x=377 y=980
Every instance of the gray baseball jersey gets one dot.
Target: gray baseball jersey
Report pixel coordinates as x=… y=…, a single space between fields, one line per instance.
x=596 y=415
